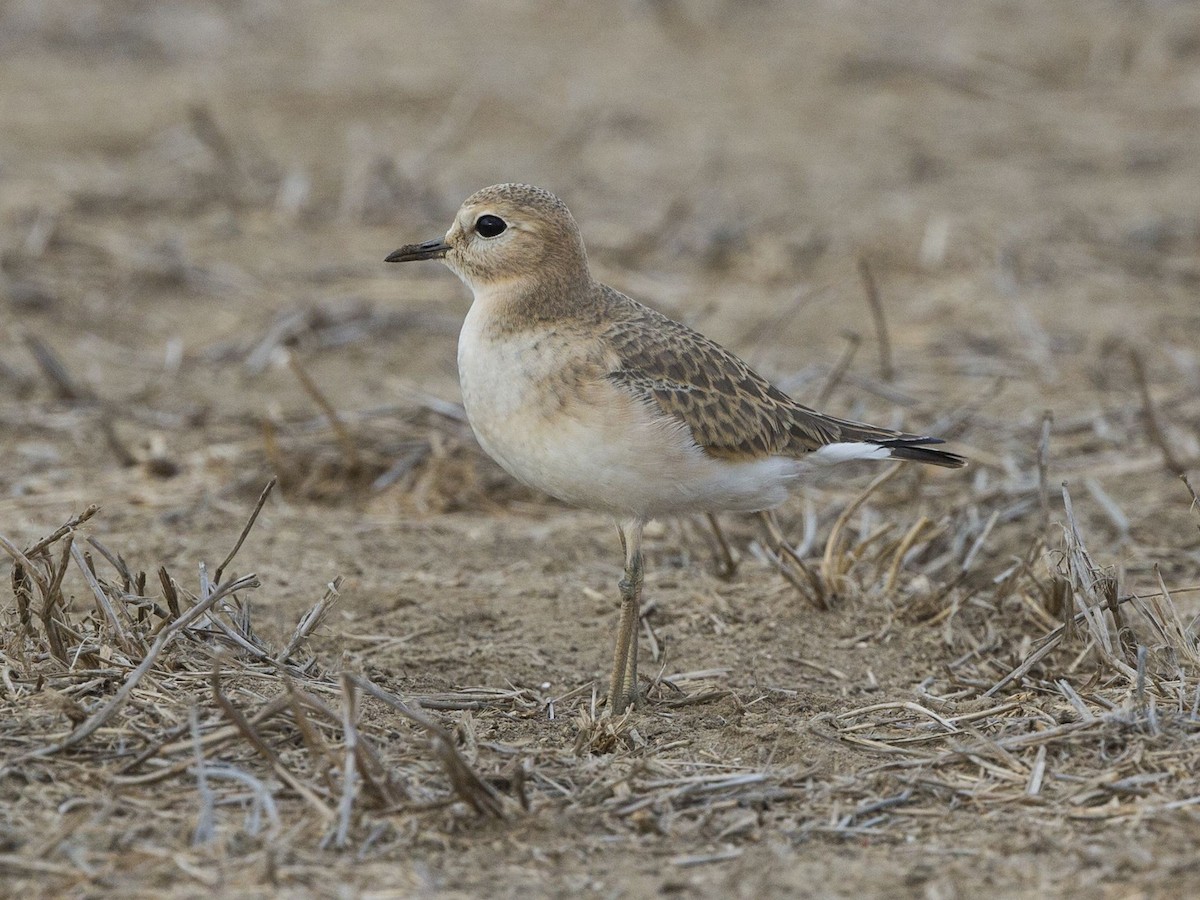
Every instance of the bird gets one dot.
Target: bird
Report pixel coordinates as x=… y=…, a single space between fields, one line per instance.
x=583 y=393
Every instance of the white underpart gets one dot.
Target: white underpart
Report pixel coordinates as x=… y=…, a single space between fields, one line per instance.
x=605 y=451
x=831 y=454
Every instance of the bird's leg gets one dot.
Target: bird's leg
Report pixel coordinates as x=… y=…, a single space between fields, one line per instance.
x=631 y=657
x=624 y=686
x=790 y=563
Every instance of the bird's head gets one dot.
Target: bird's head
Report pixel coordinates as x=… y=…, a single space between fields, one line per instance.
x=508 y=234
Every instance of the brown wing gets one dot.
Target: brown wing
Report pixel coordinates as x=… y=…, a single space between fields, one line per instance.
x=731 y=411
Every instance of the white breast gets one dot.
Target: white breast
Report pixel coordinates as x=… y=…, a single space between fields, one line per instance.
x=593 y=445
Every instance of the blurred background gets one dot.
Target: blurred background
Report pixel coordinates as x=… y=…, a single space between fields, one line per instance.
x=196 y=197
x=1021 y=174
x=189 y=189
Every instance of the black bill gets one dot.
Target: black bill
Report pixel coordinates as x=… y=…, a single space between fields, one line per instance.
x=425 y=250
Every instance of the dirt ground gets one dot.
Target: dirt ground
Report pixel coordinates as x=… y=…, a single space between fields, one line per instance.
x=195 y=201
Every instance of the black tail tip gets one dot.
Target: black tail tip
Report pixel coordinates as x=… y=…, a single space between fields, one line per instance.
x=915 y=449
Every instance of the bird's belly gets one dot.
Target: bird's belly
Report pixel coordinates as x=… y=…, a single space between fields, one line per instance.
x=587 y=442
x=516 y=399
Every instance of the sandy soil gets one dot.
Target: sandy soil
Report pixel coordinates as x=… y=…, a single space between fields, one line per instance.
x=192 y=191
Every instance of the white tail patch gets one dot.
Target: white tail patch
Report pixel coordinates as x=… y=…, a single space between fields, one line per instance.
x=847 y=451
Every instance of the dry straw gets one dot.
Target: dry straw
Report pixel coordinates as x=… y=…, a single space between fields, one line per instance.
x=1055 y=689
x=175 y=691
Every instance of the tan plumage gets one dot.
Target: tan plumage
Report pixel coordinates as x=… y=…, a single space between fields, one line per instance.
x=592 y=397
x=731 y=410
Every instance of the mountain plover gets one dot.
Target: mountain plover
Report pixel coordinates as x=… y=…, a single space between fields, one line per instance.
x=587 y=395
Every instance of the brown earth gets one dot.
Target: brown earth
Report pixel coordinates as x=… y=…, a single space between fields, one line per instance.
x=193 y=192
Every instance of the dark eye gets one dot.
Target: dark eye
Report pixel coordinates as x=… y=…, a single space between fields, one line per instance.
x=489 y=226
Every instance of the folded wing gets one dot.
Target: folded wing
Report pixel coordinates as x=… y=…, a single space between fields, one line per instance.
x=732 y=411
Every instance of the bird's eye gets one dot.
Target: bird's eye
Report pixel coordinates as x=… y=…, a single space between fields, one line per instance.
x=489 y=226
